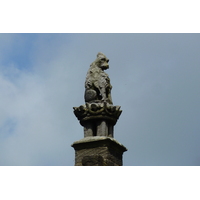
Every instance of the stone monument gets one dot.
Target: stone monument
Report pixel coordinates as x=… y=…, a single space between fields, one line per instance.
x=98 y=117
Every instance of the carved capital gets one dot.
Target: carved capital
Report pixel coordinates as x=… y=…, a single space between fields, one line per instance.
x=95 y=111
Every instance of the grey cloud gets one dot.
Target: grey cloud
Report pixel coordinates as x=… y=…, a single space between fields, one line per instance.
x=155 y=80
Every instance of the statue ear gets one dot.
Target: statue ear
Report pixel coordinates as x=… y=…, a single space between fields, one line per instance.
x=100 y=54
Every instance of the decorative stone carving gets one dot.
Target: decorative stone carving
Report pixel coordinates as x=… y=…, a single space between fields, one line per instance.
x=97 y=84
x=98 y=119
x=98 y=116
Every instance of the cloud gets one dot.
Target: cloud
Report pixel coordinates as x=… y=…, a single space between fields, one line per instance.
x=155 y=81
x=35 y=115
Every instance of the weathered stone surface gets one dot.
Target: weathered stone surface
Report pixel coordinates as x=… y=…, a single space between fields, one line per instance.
x=97 y=84
x=91 y=111
x=92 y=160
x=98 y=119
x=98 y=151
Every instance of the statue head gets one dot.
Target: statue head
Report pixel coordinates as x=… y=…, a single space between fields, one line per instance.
x=102 y=61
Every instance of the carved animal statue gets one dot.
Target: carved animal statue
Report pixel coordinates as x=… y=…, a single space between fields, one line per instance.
x=97 y=84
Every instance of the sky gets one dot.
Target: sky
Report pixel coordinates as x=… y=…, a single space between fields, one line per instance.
x=155 y=79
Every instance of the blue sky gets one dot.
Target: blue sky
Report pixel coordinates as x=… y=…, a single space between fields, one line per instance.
x=155 y=80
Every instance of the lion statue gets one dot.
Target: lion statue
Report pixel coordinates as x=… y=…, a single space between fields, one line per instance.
x=97 y=84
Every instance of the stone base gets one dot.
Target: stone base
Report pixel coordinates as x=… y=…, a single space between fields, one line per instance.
x=98 y=151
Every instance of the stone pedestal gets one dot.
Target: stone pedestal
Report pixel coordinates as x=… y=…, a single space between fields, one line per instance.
x=98 y=147
x=98 y=151
x=98 y=117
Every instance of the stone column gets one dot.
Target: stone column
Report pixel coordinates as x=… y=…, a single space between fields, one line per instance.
x=102 y=128
x=88 y=130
